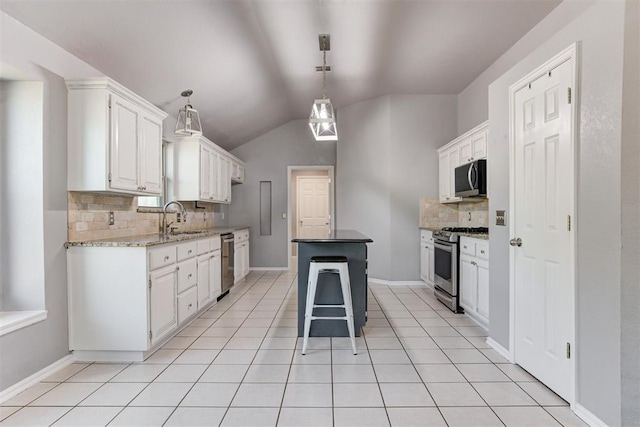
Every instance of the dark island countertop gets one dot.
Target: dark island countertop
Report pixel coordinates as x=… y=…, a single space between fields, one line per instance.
x=338 y=236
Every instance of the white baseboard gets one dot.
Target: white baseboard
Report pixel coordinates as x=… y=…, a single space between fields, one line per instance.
x=269 y=269
x=587 y=416
x=500 y=349
x=397 y=282
x=21 y=386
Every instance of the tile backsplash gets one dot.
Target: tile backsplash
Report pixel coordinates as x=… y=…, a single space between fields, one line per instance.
x=434 y=214
x=88 y=217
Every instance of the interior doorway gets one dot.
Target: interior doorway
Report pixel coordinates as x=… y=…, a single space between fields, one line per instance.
x=316 y=205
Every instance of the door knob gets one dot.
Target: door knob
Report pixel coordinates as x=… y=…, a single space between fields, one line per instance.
x=516 y=242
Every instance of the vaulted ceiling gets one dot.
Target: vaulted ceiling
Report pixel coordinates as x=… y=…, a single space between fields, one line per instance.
x=251 y=63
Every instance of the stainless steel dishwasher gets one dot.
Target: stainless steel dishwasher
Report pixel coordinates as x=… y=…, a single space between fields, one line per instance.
x=227 y=262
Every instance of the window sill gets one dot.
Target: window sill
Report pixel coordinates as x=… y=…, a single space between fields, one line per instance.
x=11 y=321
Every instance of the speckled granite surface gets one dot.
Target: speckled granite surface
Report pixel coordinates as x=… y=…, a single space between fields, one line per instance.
x=154 y=239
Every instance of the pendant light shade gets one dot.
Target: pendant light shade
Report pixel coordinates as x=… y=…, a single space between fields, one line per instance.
x=188 y=118
x=322 y=121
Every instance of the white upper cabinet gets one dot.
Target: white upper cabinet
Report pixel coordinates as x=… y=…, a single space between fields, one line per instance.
x=466 y=148
x=114 y=139
x=201 y=170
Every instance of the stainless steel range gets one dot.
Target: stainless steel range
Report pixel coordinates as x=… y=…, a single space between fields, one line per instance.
x=447 y=267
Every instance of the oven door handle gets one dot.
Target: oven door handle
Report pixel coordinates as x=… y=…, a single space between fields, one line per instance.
x=446 y=248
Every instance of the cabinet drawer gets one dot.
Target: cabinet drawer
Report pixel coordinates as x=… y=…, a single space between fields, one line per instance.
x=482 y=250
x=468 y=246
x=204 y=246
x=187 y=304
x=187 y=250
x=426 y=236
x=161 y=257
x=187 y=274
x=216 y=243
x=241 y=235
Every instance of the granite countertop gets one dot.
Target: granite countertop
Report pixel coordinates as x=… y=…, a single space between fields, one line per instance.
x=430 y=228
x=479 y=236
x=154 y=239
x=338 y=236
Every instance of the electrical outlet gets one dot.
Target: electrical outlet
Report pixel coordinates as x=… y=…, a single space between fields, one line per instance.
x=501 y=218
x=112 y=219
x=178 y=217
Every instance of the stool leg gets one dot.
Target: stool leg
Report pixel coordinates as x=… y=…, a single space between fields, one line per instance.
x=308 y=312
x=348 y=304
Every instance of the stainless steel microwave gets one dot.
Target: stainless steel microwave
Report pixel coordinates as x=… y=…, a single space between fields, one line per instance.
x=471 y=179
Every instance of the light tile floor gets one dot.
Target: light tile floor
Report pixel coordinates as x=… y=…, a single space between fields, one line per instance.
x=239 y=364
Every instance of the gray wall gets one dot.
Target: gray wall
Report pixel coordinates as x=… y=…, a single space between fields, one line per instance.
x=630 y=319
x=28 y=350
x=266 y=159
x=387 y=161
x=473 y=101
x=600 y=32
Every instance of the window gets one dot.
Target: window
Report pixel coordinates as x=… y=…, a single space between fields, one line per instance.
x=22 y=296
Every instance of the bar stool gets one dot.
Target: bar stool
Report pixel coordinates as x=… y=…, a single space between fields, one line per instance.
x=335 y=265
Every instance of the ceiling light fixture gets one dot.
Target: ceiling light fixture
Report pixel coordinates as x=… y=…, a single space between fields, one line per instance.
x=323 y=120
x=188 y=118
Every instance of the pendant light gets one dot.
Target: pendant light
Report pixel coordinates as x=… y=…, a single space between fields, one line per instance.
x=188 y=118
x=322 y=120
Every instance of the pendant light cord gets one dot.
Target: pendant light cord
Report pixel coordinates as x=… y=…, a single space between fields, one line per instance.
x=324 y=69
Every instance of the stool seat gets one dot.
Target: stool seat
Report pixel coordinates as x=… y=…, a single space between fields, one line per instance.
x=333 y=264
x=329 y=258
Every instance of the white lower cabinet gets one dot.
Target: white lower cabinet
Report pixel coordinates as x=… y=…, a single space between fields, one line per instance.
x=426 y=257
x=240 y=255
x=474 y=278
x=126 y=301
x=162 y=303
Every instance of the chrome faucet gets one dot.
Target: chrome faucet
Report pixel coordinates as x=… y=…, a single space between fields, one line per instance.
x=164 y=215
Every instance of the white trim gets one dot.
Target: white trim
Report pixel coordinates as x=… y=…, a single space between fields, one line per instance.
x=587 y=416
x=571 y=53
x=500 y=349
x=13 y=320
x=31 y=380
x=332 y=200
x=398 y=282
x=268 y=269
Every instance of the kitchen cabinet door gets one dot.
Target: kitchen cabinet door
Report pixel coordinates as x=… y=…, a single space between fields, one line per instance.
x=424 y=262
x=162 y=303
x=468 y=283
x=204 y=280
x=124 y=144
x=483 y=290
x=431 y=259
x=205 y=172
x=479 y=145
x=151 y=155
x=215 y=274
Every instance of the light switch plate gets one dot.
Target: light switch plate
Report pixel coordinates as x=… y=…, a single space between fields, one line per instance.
x=112 y=219
x=501 y=218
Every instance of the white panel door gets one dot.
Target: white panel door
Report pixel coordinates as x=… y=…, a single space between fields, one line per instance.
x=151 y=156
x=215 y=272
x=544 y=194
x=124 y=147
x=313 y=207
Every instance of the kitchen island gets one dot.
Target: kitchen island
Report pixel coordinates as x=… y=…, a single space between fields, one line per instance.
x=353 y=245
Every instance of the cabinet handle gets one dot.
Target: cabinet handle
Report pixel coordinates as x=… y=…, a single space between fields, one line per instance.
x=190 y=305
x=473 y=263
x=189 y=276
x=177 y=267
x=482 y=251
x=190 y=250
x=166 y=258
